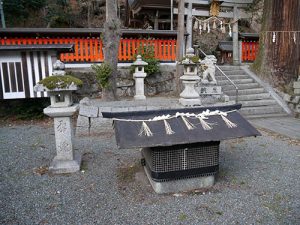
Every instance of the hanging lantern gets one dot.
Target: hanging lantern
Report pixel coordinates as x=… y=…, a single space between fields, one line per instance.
x=200 y=28
x=208 y=28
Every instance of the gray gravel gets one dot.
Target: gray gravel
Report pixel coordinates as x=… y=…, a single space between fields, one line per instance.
x=258 y=183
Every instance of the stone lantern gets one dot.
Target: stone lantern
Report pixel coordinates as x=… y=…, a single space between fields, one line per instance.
x=139 y=76
x=61 y=109
x=189 y=96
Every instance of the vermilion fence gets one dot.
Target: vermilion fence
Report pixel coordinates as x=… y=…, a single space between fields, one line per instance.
x=91 y=49
x=249 y=51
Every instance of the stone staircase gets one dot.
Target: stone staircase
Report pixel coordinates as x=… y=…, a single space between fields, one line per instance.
x=256 y=101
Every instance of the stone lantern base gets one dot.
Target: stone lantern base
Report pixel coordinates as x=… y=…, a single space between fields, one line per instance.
x=65 y=160
x=189 y=102
x=189 y=96
x=65 y=166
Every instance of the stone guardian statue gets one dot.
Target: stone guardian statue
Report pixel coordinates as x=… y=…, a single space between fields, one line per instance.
x=209 y=74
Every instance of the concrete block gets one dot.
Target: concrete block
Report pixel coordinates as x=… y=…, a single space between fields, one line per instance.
x=137 y=108
x=101 y=123
x=210 y=90
x=104 y=109
x=119 y=109
x=180 y=185
x=83 y=121
x=151 y=107
x=88 y=111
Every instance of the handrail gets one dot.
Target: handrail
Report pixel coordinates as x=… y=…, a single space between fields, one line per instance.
x=236 y=88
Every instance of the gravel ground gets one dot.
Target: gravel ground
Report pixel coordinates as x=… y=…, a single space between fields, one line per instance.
x=258 y=183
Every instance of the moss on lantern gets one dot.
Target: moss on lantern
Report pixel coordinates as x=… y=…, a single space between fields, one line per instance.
x=60 y=82
x=194 y=59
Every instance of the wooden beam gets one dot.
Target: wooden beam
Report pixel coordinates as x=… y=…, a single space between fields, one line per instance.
x=238 y=1
x=206 y=13
x=197 y=2
x=225 y=4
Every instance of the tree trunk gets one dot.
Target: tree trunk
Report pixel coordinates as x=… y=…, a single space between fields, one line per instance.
x=111 y=39
x=89 y=4
x=179 y=44
x=278 y=58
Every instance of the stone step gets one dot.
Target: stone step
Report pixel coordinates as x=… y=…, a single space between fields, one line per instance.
x=226 y=68
x=240 y=81
x=240 y=86
x=268 y=115
x=261 y=110
x=246 y=91
x=233 y=77
x=251 y=97
x=262 y=102
x=232 y=72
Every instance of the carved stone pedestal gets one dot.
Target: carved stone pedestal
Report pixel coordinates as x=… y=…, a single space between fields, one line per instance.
x=139 y=77
x=65 y=161
x=189 y=96
x=139 y=86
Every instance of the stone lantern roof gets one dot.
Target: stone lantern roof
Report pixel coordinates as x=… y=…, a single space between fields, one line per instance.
x=139 y=61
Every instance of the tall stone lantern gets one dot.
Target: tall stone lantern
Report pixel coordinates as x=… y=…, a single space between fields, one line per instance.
x=61 y=109
x=189 y=96
x=139 y=76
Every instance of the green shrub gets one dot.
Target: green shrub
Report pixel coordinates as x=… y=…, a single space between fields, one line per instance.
x=148 y=56
x=103 y=73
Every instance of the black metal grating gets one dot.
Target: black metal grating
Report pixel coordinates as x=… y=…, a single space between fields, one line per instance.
x=200 y=159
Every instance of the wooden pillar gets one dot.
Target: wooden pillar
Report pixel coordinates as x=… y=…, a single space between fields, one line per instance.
x=235 y=37
x=179 y=44
x=189 y=26
x=172 y=15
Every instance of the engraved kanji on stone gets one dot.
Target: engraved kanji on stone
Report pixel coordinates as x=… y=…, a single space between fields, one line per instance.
x=63 y=147
x=62 y=126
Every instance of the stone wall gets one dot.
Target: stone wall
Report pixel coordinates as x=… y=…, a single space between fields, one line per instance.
x=160 y=84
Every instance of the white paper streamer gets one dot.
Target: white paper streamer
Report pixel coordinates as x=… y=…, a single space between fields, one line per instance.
x=145 y=130
x=205 y=125
x=187 y=123
x=228 y=122
x=168 y=128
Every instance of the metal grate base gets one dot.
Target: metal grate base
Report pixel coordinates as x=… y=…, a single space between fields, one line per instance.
x=182 y=161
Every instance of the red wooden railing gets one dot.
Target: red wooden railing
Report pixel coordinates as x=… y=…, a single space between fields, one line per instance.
x=249 y=51
x=91 y=49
